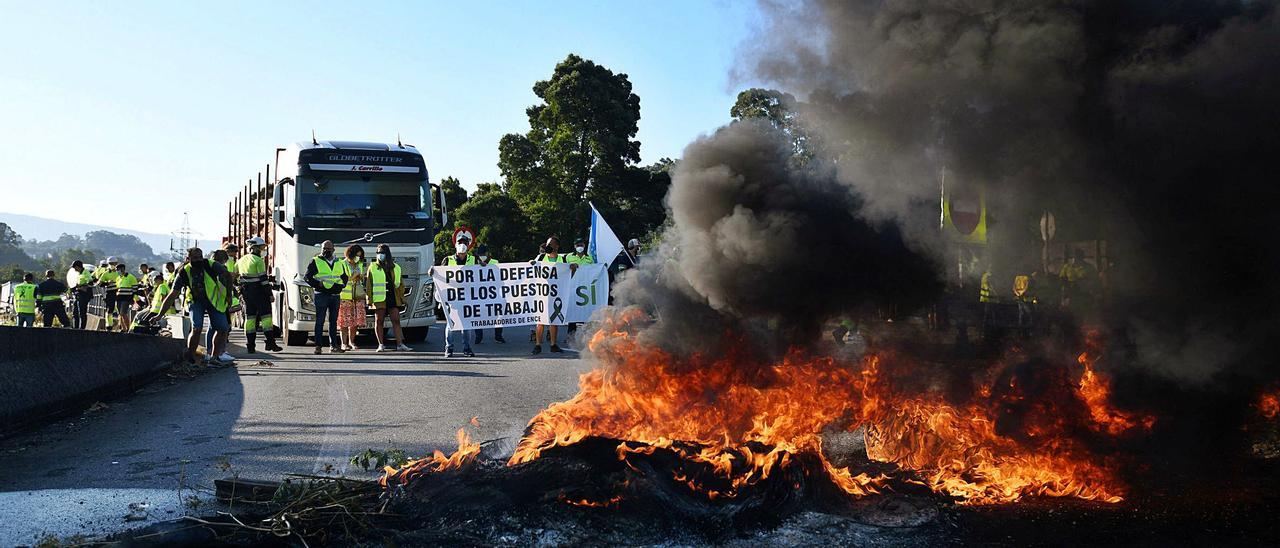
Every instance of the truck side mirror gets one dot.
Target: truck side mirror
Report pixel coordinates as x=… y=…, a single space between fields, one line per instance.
x=278 y=195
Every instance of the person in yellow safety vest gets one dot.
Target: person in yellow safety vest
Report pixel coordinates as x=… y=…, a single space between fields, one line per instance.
x=24 y=301
x=256 y=290
x=107 y=280
x=355 y=302
x=386 y=292
x=327 y=277
x=483 y=259
x=126 y=285
x=49 y=300
x=223 y=258
x=158 y=295
x=208 y=287
x=985 y=293
x=1023 y=296
x=1075 y=276
x=578 y=256
x=549 y=253
x=80 y=279
x=170 y=271
x=461 y=257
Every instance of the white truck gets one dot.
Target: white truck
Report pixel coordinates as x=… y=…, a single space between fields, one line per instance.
x=351 y=193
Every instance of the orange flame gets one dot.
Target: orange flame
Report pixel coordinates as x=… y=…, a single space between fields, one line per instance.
x=466 y=454
x=1095 y=391
x=745 y=423
x=588 y=503
x=737 y=425
x=1269 y=404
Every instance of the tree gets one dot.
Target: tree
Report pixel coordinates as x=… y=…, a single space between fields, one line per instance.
x=8 y=236
x=579 y=145
x=456 y=196
x=499 y=224
x=780 y=109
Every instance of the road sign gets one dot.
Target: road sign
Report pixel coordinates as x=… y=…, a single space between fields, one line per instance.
x=1048 y=227
x=464 y=232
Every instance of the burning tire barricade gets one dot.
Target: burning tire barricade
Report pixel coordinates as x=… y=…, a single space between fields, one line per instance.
x=711 y=411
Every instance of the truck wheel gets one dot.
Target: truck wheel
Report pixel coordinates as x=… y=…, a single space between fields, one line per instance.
x=415 y=334
x=296 y=338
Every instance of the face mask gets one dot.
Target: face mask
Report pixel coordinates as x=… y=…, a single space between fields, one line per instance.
x=484 y=257
x=359 y=258
x=382 y=256
x=462 y=248
x=328 y=253
x=579 y=249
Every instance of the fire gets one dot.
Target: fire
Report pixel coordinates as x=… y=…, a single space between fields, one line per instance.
x=588 y=503
x=466 y=453
x=1095 y=390
x=734 y=422
x=1269 y=404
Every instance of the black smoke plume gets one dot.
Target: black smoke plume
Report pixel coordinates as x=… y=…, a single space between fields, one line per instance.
x=1155 y=121
x=759 y=247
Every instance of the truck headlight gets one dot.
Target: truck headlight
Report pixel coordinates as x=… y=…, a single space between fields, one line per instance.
x=427 y=297
x=306 y=297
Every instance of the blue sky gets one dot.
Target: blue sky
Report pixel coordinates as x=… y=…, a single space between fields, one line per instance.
x=129 y=113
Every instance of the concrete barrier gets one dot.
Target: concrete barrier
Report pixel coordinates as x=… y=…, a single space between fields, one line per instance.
x=48 y=372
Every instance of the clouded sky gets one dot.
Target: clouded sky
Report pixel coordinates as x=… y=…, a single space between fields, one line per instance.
x=129 y=113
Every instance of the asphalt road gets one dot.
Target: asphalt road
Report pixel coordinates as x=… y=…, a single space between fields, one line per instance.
x=299 y=414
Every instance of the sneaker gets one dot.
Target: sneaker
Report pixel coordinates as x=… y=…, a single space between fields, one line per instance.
x=469 y=353
x=556 y=348
x=498 y=338
x=336 y=350
x=537 y=349
x=448 y=353
x=221 y=361
x=404 y=348
x=381 y=349
x=273 y=347
x=349 y=348
x=317 y=350
x=251 y=349
x=226 y=358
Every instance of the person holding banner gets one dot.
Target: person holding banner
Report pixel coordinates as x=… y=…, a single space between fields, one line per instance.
x=550 y=254
x=460 y=258
x=577 y=257
x=384 y=284
x=484 y=260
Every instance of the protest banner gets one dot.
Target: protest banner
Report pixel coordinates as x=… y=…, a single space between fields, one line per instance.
x=514 y=294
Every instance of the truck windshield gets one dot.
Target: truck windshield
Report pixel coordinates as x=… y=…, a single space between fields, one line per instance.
x=362 y=196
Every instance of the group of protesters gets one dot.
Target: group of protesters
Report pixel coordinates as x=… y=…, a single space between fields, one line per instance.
x=124 y=294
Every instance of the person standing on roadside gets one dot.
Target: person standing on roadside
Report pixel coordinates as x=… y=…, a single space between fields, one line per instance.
x=107 y=280
x=49 y=298
x=81 y=282
x=209 y=286
x=327 y=278
x=384 y=286
x=24 y=301
x=126 y=285
x=550 y=254
x=460 y=258
x=578 y=256
x=255 y=288
x=351 y=313
x=484 y=260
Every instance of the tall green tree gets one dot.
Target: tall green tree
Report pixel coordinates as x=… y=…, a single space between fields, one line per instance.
x=580 y=143
x=456 y=196
x=783 y=111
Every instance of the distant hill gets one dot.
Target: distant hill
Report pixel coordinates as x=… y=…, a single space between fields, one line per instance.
x=50 y=229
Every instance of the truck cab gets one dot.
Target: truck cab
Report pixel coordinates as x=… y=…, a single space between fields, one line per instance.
x=353 y=193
